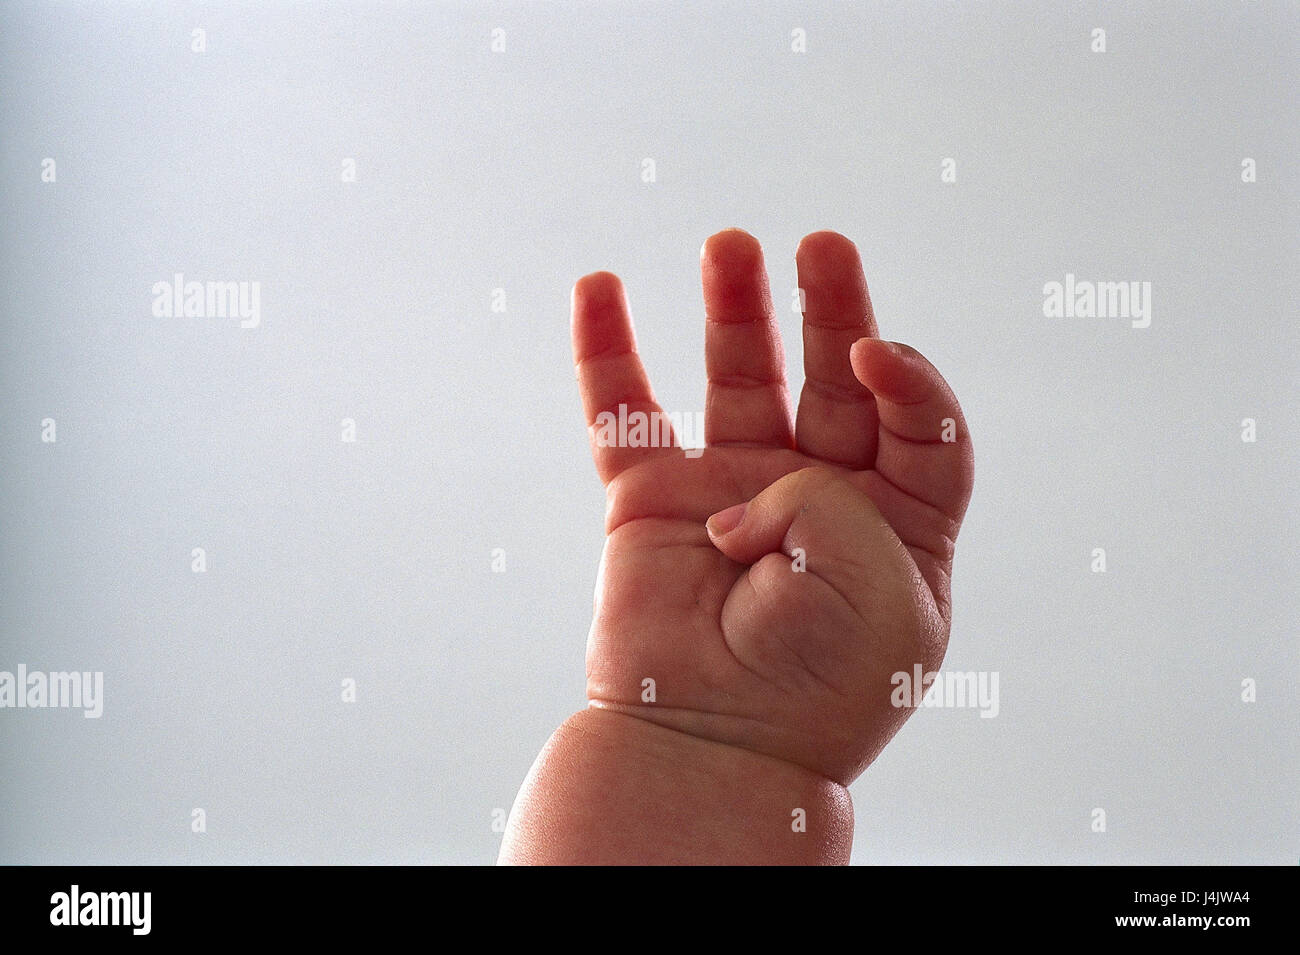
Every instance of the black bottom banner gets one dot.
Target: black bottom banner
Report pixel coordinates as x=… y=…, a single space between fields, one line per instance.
x=143 y=905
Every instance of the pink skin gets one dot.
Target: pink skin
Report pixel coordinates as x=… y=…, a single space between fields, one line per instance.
x=785 y=674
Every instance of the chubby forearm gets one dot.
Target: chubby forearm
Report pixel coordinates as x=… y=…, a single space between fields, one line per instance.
x=612 y=789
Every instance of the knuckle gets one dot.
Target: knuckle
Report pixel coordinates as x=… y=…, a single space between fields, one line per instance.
x=815 y=476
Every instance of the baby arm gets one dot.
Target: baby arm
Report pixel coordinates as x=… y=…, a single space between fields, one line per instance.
x=755 y=600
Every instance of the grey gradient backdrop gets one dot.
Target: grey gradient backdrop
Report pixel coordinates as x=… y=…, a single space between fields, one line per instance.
x=521 y=170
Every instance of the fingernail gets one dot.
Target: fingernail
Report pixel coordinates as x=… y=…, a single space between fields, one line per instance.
x=726 y=520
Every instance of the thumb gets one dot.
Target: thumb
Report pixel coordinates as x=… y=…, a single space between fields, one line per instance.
x=834 y=526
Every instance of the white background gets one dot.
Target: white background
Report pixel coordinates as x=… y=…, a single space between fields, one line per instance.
x=521 y=170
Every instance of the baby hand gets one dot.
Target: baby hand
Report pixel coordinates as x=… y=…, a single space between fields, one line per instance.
x=824 y=566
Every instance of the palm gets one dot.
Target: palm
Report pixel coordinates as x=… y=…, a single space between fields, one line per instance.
x=664 y=585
